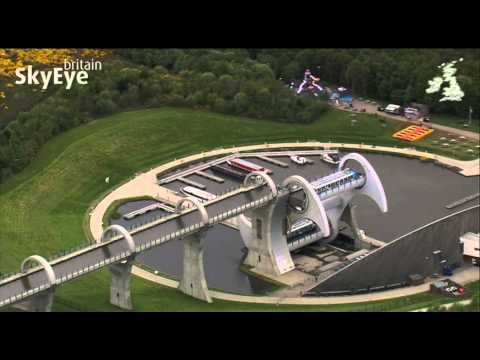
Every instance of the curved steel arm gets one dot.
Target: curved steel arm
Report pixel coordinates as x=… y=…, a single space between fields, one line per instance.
x=197 y=204
x=45 y=264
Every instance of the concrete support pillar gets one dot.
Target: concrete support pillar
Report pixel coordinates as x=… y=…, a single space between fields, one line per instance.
x=120 y=285
x=194 y=282
x=41 y=302
x=349 y=217
x=268 y=251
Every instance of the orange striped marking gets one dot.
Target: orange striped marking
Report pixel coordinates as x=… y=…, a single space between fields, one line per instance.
x=412 y=133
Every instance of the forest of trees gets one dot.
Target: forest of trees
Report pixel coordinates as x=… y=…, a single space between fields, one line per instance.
x=232 y=81
x=223 y=81
x=393 y=75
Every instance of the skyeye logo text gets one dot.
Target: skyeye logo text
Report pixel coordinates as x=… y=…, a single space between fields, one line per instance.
x=72 y=72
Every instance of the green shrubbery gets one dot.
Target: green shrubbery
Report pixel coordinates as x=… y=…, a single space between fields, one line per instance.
x=391 y=75
x=224 y=81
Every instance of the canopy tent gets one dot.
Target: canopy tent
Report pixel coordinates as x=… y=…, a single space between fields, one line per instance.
x=342 y=94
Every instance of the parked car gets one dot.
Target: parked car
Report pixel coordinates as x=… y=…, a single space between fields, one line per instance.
x=394 y=109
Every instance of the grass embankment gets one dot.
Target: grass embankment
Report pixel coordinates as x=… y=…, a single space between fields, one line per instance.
x=456 y=122
x=42 y=209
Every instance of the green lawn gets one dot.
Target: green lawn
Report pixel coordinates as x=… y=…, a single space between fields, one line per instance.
x=42 y=210
x=456 y=122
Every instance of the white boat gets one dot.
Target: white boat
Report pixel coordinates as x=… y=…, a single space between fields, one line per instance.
x=331 y=158
x=199 y=194
x=300 y=160
x=247 y=166
x=300 y=227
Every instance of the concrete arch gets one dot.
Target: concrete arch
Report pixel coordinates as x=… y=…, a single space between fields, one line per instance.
x=197 y=204
x=268 y=180
x=265 y=233
x=315 y=210
x=373 y=187
x=126 y=235
x=52 y=278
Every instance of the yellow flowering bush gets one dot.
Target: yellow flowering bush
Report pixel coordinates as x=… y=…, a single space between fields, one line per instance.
x=12 y=59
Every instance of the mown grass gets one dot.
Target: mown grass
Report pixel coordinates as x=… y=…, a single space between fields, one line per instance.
x=456 y=122
x=42 y=209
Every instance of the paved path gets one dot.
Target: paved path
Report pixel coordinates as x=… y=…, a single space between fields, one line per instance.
x=462 y=277
x=372 y=109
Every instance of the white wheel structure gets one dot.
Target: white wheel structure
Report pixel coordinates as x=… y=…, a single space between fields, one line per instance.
x=373 y=187
x=268 y=180
x=126 y=235
x=195 y=202
x=52 y=279
x=315 y=210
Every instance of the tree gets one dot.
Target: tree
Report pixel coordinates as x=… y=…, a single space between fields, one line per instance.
x=264 y=98
x=408 y=95
x=397 y=96
x=226 y=86
x=240 y=101
x=105 y=106
x=291 y=71
x=262 y=72
x=317 y=109
x=357 y=77
x=220 y=105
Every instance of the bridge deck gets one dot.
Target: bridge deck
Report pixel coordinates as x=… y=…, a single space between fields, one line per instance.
x=115 y=249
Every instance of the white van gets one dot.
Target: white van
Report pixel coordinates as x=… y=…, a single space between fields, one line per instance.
x=393 y=109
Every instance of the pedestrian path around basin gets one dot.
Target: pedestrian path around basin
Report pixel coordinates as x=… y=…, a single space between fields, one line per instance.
x=462 y=277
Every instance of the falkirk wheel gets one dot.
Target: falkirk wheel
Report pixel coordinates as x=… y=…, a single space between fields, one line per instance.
x=325 y=202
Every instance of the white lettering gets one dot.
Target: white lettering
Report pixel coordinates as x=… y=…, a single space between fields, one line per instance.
x=19 y=74
x=69 y=77
x=32 y=76
x=57 y=76
x=82 y=77
x=67 y=65
x=45 y=75
x=68 y=74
